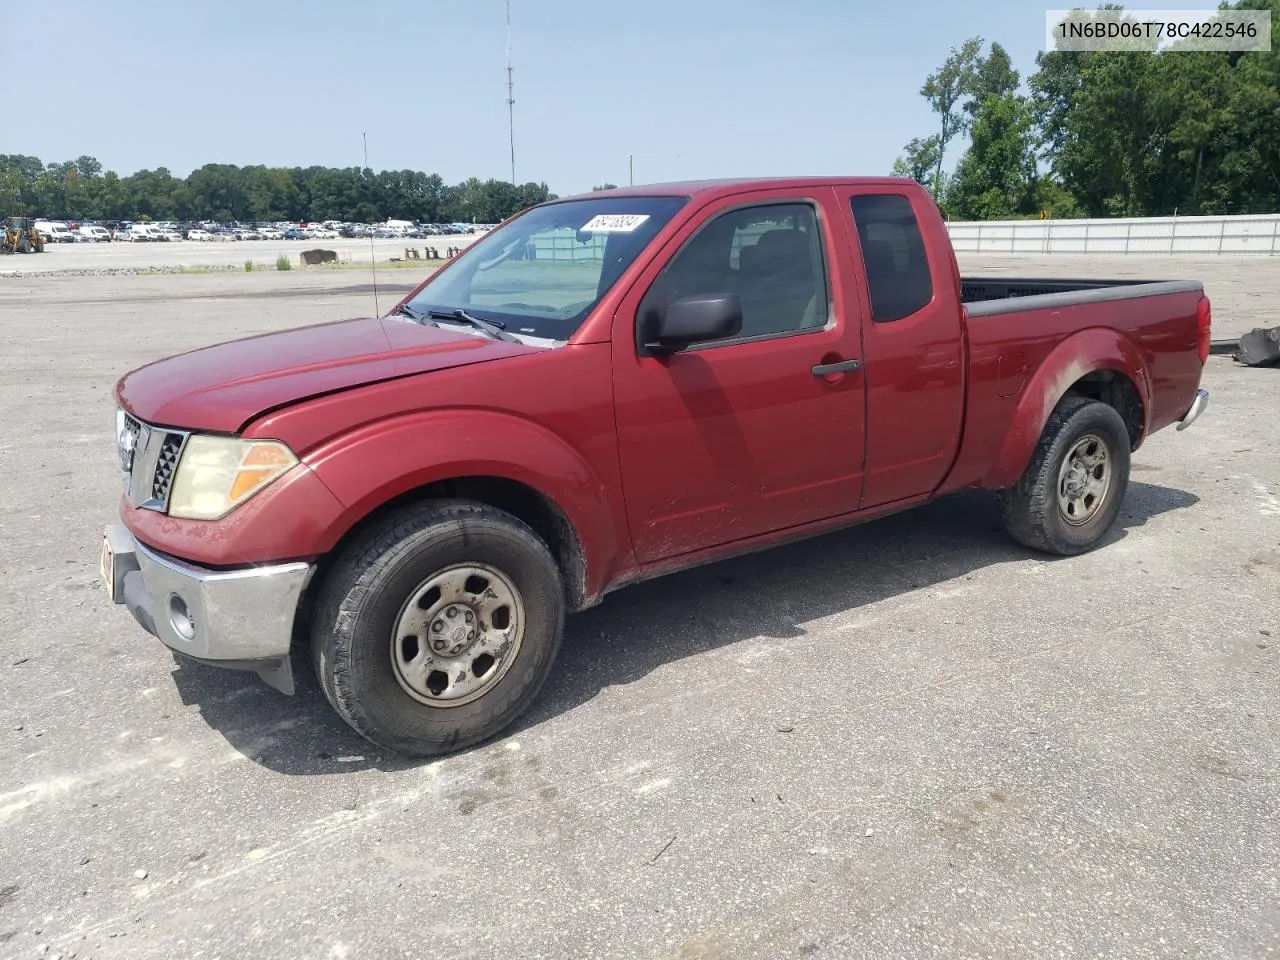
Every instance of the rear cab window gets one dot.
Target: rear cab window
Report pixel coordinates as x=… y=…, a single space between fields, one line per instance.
x=893 y=255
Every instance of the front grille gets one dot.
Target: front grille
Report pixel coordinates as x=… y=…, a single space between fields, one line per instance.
x=148 y=460
x=166 y=464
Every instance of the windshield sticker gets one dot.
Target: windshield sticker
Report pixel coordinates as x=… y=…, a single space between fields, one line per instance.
x=614 y=222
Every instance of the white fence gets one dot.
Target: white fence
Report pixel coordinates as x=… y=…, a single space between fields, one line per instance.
x=1145 y=235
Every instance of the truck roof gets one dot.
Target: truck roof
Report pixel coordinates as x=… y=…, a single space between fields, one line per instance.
x=703 y=189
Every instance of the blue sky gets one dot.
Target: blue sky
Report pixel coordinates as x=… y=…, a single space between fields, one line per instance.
x=691 y=88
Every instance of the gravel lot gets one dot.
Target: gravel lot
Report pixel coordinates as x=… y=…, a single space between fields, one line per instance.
x=912 y=739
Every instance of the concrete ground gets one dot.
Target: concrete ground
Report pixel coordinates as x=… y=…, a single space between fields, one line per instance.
x=59 y=257
x=912 y=739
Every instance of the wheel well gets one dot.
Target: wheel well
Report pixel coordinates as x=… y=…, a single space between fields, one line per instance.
x=527 y=504
x=1115 y=390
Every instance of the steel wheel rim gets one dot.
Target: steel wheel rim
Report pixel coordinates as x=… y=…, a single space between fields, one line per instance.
x=1084 y=480
x=457 y=635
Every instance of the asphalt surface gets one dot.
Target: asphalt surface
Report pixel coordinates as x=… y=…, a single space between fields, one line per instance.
x=912 y=739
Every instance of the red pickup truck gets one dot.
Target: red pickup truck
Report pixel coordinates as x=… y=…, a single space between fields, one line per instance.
x=605 y=389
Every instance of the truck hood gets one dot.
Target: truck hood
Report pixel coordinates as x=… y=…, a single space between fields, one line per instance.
x=221 y=388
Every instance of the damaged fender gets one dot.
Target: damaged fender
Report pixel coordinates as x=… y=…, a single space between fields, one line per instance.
x=1077 y=356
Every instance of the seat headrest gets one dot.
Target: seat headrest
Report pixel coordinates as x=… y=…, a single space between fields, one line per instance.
x=880 y=257
x=787 y=251
x=709 y=250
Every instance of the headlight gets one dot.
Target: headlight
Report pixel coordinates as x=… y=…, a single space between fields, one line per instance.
x=217 y=474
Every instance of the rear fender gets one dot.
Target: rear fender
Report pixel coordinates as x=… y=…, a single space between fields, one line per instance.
x=1077 y=356
x=368 y=467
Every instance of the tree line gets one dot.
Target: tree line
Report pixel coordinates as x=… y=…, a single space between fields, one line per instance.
x=1134 y=132
x=80 y=190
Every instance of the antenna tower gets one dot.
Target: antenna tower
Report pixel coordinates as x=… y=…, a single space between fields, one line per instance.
x=511 y=99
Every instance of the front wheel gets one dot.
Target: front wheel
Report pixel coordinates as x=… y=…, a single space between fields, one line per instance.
x=1070 y=494
x=438 y=626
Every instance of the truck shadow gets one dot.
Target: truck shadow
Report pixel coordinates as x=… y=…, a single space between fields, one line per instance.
x=640 y=629
x=769 y=595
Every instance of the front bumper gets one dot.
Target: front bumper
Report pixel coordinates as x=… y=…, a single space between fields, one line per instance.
x=1197 y=407
x=238 y=619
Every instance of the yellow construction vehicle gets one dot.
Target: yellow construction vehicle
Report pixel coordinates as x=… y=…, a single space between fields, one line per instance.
x=21 y=236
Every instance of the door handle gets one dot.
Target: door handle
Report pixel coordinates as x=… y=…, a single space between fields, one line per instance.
x=841 y=366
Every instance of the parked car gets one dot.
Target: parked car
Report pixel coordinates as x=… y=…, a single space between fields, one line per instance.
x=138 y=232
x=55 y=231
x=93 y=233
x=196 y=233
x=295 y=233
x=747 y=363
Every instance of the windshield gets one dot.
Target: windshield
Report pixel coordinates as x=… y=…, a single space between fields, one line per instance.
x=542 y=273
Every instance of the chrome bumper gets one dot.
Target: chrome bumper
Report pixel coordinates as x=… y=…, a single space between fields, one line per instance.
x=1197 y=407
x=239 y=619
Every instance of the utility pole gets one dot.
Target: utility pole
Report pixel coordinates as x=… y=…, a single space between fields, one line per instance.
x=373 y=253
x=631 y=169
x=511 y=99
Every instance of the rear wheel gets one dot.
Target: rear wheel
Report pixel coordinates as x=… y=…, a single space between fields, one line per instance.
x=438 y=626
x=1071 y=492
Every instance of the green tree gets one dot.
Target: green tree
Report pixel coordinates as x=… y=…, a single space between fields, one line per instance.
x=1057 y=202
x=993 y=77
x=113 y=198
x=996 y=178
x=919 y=161
x=88 y=167
x=1099 y=124
x=946 y=89
x=80 y=189
x=530 y=194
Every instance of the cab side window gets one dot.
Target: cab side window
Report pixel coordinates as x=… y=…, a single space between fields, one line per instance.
x=893 y=254
x=770 y=255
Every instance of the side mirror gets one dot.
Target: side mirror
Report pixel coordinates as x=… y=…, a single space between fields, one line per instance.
x=695 y=319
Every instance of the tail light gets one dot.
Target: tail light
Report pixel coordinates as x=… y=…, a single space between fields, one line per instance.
x=1204 y=324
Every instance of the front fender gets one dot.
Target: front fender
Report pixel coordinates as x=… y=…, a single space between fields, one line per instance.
x=1080 y=354
x=366 y=468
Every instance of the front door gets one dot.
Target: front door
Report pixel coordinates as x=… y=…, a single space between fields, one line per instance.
x=735 y=438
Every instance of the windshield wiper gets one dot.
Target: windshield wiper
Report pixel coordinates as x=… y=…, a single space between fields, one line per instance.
x=495 y=328
x=409 y=312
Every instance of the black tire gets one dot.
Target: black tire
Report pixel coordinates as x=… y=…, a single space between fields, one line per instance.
x=1032 y=514
x=360 y=601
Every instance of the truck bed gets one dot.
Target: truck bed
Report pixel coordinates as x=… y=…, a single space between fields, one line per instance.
x=985 y=289
x=1016 y=324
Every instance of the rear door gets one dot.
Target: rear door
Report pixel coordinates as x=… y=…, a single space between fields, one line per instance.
x=736 y=438
x=913 y=339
